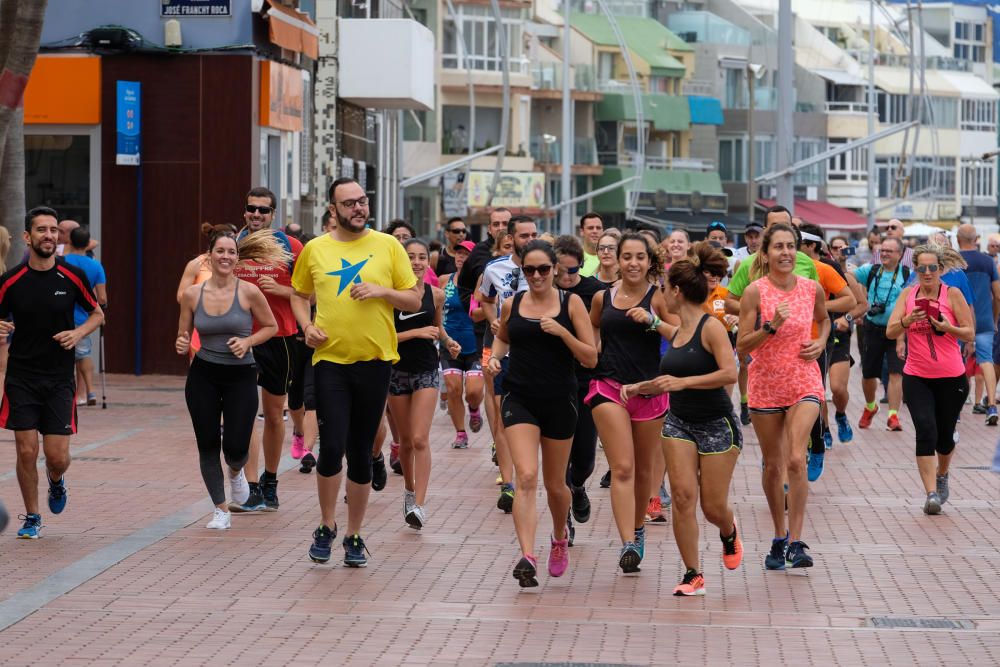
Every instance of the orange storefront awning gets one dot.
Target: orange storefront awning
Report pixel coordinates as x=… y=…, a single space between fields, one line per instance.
x=64 y=89
x=292 y=29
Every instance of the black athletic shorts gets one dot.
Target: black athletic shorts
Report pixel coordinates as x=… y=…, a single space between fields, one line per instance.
x=275 y=360
x=554 y=417
x=877 y=347
x=47 y=405
x=838 y=348
x=463 y=363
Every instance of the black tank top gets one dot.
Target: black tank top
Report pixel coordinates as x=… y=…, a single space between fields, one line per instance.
x=417 y=354
x=541 y=366
x=695 y=405
x=629 y=352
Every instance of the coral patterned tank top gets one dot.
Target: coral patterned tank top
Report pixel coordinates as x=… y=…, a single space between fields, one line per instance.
x=778 y=378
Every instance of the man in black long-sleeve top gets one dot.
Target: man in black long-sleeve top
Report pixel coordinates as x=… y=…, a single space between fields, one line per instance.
x=482 y=253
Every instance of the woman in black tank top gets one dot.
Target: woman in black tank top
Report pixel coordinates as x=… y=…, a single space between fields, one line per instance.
x=413 y=384
x=701 y=438
x=627 y=317
x=544 y=330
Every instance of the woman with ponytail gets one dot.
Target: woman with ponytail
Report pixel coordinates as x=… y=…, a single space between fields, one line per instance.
x=701 y=439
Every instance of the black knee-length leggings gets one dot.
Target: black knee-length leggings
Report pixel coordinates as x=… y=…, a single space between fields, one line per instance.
x=934 y=405
x=216 y=392
x=584 y=451
x=350 y=401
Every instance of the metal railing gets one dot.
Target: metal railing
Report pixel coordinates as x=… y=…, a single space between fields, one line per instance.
x=584 y=151
x=613 y=86
x=946 y=63
x=546 y=76
x=612 y=158
x=847 y=107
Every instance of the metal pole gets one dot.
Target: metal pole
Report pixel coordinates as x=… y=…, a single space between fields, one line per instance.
x=786 y=102
x=505 y=96
x=751 y=186
x=568 y=144
x=872 y=176
x=975 y=184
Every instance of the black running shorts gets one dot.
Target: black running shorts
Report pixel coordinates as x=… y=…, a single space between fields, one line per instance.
x=275 y=360
x=554 y=417
x=47 y=405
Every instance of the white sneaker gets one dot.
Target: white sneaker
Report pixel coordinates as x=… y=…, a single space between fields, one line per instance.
x=221 y=520
x=239 y=489
x=416 y=518
x=409 y=502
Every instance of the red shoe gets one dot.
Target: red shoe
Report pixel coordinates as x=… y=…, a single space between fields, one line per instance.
x=866 y=417
x=893 y=423
x=732 y=550
x=692 y=584
x=654 y=511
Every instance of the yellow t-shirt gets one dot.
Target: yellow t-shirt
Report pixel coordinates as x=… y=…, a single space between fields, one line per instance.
x=590 y=265
x=356 y=330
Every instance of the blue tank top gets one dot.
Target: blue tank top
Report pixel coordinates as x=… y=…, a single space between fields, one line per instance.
x=457 y=322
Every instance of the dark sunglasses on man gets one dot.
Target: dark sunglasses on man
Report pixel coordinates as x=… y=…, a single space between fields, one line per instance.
x=263 y=210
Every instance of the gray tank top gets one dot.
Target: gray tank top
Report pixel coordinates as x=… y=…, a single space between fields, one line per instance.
x=215 y=330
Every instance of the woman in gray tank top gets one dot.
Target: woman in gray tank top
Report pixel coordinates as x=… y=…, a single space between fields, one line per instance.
x=222 y=379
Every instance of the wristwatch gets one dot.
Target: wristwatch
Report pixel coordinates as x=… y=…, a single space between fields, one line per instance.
x=849 y=318
x=769 y=329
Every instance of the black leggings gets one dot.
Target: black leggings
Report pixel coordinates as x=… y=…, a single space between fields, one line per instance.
x=301 y=357
x=584 y=451
x=934 y=405
x=217 y=393
x=350 y=400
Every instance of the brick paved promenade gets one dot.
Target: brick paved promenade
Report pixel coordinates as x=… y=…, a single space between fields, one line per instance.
x=129 y=575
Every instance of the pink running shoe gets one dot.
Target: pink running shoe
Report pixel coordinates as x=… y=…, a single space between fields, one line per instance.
x=559 y=557
x=475 y=420
x=298 y=446
x=394 y=463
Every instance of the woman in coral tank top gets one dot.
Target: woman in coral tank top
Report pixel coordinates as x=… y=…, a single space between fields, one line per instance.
x=785 y=386
x=933 y=317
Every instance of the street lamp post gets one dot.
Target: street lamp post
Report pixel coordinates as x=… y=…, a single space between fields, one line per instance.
x=754 y=72
x=547 y=141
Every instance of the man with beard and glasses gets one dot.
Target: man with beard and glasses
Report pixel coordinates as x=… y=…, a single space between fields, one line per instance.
x=275 y=358
x=40 y=295
x=358 y=276
x=502 y=279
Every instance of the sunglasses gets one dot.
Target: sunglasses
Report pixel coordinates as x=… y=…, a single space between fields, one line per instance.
x=607 y=248
x=463 y=230
x=263 y=210
x=927 y=268
x=542 y=270
x=575 y=269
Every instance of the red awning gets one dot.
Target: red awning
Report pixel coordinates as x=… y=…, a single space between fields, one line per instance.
x=825 y=215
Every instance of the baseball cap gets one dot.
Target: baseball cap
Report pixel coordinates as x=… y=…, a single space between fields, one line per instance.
x=465 y=245
x=725 y=251
x=753 y=226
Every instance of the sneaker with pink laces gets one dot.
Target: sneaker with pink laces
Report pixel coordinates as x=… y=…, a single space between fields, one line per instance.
x=298 y=446
x=559 y=557
x=461 y=441
x=475 y=420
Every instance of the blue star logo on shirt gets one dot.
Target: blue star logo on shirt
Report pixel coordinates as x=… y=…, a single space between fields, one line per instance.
x=348 y=273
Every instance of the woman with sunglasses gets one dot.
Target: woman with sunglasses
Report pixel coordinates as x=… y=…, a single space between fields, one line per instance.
x=933 y=317
x=607 y=258
x=785 y=388
x=413 y=384
x=546 y=331
x=626 y=317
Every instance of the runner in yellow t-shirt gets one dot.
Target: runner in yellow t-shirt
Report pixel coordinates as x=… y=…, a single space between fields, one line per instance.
x=357 y=276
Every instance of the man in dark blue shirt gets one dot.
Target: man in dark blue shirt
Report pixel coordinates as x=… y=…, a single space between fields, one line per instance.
x=985 y=282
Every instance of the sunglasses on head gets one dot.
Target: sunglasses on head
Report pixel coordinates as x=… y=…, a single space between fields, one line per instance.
x=927 y=268
x=263 y=210
x=542 y=270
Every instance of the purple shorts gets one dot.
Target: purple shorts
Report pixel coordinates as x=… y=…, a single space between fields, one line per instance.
x=640 y=408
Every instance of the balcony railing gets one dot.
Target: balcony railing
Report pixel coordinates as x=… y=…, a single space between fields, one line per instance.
x=847 y=107
x=546 y=76
x=696 y=87
x=946 y=63
x=613 y=86
x=584 y=151
x=612 y=158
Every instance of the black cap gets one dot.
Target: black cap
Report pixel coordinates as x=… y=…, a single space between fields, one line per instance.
x=753 y=226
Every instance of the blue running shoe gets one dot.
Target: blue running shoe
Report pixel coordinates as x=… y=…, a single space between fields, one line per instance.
x=775 y=560
x=640 y=541
x=629 y=558
x=254 y=503
x=354 y=552
x=57 y=495
x=815 y=466
x=827 y=439
x=844 y=431
x=31 y=528
x=322 y=544
x=796 y=556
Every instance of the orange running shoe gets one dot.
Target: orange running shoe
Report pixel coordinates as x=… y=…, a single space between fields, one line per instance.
x=654 y=511
x=732 y=550
x=892 y=424
x=693 y=584
x=866 y=417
